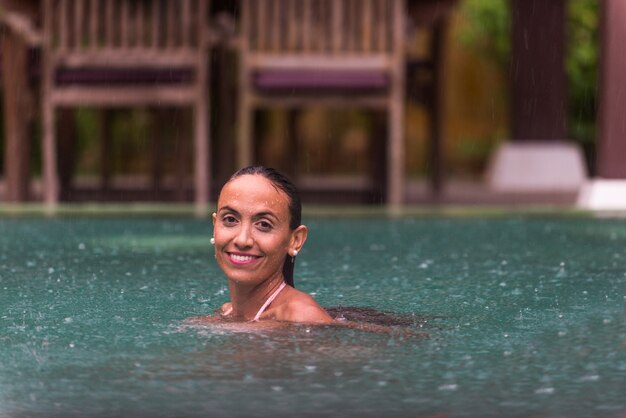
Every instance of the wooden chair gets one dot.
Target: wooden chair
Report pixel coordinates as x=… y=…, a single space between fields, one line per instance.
x=335 y=53
x=120 y=53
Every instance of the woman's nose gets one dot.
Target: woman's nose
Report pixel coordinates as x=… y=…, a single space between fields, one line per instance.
x=243 y=239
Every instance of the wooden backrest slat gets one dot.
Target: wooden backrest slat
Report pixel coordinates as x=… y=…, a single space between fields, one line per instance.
x=124 y=25
x=61 y=22
x=337 y=27
x=314 y=32
x=332 y=27
x=307 y=13
x=261 y=24
x=324 y=27
x=291 y=21
x=375 y=25
x=93 y=24
x=108 y=24
x=275 y=10
x=345 y=26
x=366 y=26
x=139 y=25
x=380 y=32
x=186 y=23
x=354 y=27
x=317 y=26
x=155 y=12
x=77 y=19
x=171 y=26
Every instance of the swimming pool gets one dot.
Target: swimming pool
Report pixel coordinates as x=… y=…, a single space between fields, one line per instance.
x=525 y=317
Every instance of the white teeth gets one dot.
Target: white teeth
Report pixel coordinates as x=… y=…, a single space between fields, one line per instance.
x=242 y=258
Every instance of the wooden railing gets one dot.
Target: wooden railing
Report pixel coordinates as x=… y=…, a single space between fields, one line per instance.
x=123 y=32
x=320 y=26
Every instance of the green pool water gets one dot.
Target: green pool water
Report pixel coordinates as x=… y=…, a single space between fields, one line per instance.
x=524 y=316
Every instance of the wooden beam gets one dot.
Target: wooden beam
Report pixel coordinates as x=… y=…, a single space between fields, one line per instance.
x=396 y=142
x=611 y=146
x=17 y=97
x=538 y=81
x=436 y=107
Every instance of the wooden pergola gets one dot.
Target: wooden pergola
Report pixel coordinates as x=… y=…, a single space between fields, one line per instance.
x=540 y=81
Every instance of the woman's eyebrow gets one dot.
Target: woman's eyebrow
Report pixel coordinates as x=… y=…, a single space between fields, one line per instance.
x=258 y=215
x=265 y=215
x=228 y=209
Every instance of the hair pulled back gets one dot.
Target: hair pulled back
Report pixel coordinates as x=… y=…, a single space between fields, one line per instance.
x=282 y=183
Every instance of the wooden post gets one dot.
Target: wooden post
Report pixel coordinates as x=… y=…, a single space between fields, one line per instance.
x=158 y=115
x=395 y=145
x=67 y=151
x=106 y=162
x=437 y=157
x=50 y=181
x=17 y=99
x=611 y=155
x=202 y=150
x=224 y=144
x=378 y=169
x=538 y=82
x=202 y=178
x=181 y=154
x=291 y=156
x=245 y=105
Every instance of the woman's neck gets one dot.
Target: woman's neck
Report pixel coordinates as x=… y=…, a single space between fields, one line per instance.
x=247 y=300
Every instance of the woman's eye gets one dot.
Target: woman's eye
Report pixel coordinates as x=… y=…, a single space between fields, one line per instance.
x=229 y=220
x=264 y=225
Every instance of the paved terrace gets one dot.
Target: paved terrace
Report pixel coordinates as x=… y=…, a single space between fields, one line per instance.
x=463 y=193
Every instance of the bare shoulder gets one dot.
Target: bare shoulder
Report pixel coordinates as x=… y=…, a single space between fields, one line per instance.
x=301 y=307
x=217 y=316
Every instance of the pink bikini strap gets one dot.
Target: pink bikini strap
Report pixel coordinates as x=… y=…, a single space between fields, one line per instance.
x=269 y=300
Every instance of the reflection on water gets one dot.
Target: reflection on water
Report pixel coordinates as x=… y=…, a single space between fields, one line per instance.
x=523 y=317
x=373 y=316
x=275 y=350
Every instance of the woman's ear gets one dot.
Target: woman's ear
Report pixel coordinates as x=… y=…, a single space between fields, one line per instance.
x=298 y=237
x=214 y=217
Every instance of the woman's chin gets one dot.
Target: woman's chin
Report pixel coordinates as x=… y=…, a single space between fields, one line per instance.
x=243 y=279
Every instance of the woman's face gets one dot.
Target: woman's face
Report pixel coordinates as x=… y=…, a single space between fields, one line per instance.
x=251 y=230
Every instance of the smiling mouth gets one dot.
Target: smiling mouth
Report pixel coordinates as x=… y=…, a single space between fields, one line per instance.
x=242 y=258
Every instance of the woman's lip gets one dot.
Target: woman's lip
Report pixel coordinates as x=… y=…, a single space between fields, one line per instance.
x=241 y=259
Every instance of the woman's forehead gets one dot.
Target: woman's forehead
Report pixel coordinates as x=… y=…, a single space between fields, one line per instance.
x=253 y=193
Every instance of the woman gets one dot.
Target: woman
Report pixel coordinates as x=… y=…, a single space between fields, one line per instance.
x=257 y=235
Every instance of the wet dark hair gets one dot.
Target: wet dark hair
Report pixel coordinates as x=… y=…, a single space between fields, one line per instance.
x=282 y=183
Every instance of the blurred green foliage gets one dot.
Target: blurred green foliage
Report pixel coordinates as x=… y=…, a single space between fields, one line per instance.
x=486 y=29
x=582 y=72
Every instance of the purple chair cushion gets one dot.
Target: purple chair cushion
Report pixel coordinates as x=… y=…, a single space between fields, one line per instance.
x=122 y=76
x=302 y=79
